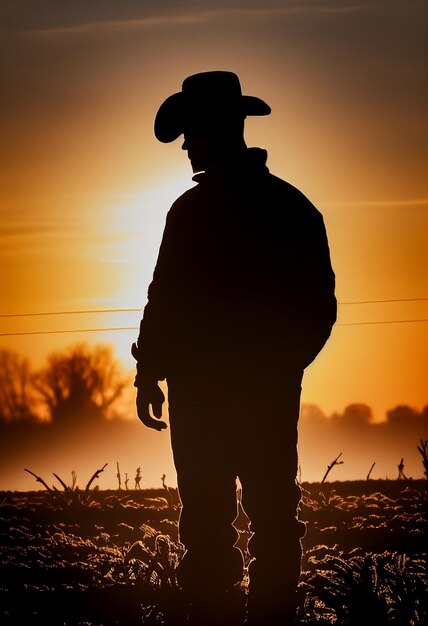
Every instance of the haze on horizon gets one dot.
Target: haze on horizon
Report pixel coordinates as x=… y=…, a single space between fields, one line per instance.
x=85 y=439
x=77 y=413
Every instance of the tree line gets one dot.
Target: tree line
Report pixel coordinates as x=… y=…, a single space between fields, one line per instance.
x=81 y=381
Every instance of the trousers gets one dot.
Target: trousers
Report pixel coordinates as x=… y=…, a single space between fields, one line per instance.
x=242 y=425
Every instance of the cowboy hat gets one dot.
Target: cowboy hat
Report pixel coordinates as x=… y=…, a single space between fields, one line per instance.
x=205 y=95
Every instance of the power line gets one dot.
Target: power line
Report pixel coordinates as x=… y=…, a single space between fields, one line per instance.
x=381 y=322
x=382 y=301
x=70 y=312
x=133 y=310
x=76 y=330
x=99 y=330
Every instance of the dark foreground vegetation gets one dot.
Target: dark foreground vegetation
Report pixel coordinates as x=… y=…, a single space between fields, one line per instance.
x=92 y=558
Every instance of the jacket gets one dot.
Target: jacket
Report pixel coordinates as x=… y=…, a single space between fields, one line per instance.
x=243 y=278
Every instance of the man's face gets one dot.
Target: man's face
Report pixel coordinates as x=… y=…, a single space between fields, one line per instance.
x=208 y=139
x=202 y=150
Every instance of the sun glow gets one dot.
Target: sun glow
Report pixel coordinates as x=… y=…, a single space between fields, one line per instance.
x=132 y=231
x=132 y=228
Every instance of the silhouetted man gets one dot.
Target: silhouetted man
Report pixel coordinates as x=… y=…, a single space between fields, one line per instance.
x=241 y=302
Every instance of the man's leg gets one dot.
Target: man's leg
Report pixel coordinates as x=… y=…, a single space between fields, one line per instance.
x=209 y=507
x=270 y=498
x=211 y=566
x=274 y=574
x=202 y=453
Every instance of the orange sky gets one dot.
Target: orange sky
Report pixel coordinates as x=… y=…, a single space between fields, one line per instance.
x=85 y=186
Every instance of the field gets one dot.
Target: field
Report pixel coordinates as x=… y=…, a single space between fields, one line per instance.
x=108 y=557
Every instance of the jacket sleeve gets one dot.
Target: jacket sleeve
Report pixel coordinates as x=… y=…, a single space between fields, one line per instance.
x=152 y=343
x=316 y=305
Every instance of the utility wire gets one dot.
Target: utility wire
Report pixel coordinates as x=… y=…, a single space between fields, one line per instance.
x=99 y=330
x=84 y=311
x=74 y=330
x=382 y=301
x=380 y=322
x=70 y=312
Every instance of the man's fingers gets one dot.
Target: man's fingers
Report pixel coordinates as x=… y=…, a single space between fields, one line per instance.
x=155 y=398
x=157 y=403
x=157 y=409
x=144 y=413
x=148 y=421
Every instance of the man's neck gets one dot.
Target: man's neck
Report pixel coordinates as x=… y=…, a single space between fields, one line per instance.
x=228 y=158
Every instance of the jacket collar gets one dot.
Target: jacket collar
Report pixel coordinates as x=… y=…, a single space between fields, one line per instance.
x=252 y=163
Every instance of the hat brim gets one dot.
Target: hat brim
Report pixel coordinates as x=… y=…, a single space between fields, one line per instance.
x=169 y=121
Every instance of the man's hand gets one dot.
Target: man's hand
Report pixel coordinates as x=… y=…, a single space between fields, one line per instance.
x=150 y=394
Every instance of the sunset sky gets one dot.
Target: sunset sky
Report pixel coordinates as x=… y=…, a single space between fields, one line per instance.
x=86 y=187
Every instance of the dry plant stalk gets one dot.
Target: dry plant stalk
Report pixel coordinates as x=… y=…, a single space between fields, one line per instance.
x=39 y=479
x=332 y=464
x=167 y=491
x=423 y=449
x=119 y=479
x=370 y=471
x=66 y=488
x=95 y=476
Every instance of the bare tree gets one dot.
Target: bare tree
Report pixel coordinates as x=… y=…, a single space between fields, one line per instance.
x=17 y=398
x=81 y=382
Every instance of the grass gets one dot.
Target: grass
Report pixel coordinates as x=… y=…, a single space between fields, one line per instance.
x=110 y=557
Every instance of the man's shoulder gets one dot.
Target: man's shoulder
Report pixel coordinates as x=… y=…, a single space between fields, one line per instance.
x=186 y=201
x=291 y=198
x=277 y=193
x=286 y=189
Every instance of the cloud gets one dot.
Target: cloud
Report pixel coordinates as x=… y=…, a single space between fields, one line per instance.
x=78 y=18
x=28 y=228
x=111 y=26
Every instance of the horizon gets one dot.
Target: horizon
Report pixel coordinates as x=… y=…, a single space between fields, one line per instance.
x=330 y=483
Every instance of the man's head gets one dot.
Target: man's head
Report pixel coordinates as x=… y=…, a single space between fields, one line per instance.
x=210 y=112
x=213 y=140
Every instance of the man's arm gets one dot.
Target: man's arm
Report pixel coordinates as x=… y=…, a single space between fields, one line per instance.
x=151 y=347
x=315 y=305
